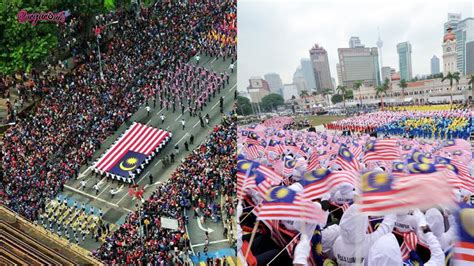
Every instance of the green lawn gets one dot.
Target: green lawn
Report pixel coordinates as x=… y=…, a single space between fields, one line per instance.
x=316 y=120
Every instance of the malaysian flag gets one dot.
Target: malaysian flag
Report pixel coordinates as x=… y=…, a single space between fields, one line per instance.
x=381 y=150
x=346 y=160
x=381 y=193
x=313 y=161
x=252 y=175
x=275 y=146
x=283 y=203
x=321 y=181
x=133 y=148
x=356 y=150
x=464 y=247
x=251 y=152
x=410 y=241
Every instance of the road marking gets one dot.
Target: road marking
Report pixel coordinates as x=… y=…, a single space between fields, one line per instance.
x=98 y=199
x=103 y=191
x=212 y=61
x=178 y=117
x=101 y=181
x=214 y=105
x=167 y=127
x=182 y=138
x=154 y=184
x=230 y=90
x=84 y=173
x=209 y=230
x=196 y=124
x=157 y=162
x=160 y=111
x=210 y=243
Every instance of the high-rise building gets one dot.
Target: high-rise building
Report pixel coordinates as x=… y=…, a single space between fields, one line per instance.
x=308 y=74
x=453 y=20
x=257 y=89
x=289 y=91
x=404 y=60
x=464 y=31
x=449 y=53
x=354 y=42
x=386 y=73
x=274 y=82
x=299 y=81
x=470 y=57
x=339 y=74
x=434 y=65
x=320 y=61
x=359 y=64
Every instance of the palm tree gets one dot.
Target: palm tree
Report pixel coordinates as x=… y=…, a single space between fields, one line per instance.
x=304 y=93
x=357 y=86
x=403 y=85
x=451 y=76
x=471 y=83
x=342 y=90
x=314 y=93
x=381 y=90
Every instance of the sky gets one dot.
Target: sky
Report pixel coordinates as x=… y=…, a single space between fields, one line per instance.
x=274 y=35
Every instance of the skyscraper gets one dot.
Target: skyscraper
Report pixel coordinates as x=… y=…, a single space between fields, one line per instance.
x=299 y=81
x=434 y=65
x=308 y=74
x=470 y=57
x=463 y=31
x=320 y=61
x=453 y=20
x=274 y=82
x=386 y=73
x=359 y=64
x=404 y=60
x=354 y=42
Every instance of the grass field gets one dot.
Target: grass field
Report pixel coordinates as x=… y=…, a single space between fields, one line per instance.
x=316 y=120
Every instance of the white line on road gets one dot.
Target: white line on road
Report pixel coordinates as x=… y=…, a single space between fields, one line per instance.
x=160 y=111
x=196 y=124
x=209 y=230
x=84 y=173
x=98 y=199
x=157 y=162
x=214 y=105
x=212 y=242
x=186 y=227
x=182 y=138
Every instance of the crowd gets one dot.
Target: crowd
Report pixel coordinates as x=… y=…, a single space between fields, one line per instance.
x=317 y=198
x=427 y=124
x=205 y=175
x=80 y=109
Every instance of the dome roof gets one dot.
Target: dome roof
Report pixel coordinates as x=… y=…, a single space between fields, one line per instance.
x=449 y=36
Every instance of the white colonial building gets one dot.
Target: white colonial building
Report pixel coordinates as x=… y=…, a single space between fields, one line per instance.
x=449 y=53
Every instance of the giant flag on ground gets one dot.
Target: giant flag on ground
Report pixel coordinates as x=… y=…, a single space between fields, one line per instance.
x=131 y=151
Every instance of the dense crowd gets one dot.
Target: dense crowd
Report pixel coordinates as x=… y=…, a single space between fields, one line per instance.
x=319 y=198
x=80 y=109
x=205 y=175
x=426 y=124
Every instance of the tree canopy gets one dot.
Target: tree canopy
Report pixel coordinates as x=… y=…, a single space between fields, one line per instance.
x=243 y=106
x=271 y=102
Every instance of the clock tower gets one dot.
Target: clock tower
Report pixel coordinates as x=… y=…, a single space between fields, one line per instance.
x=449 y=52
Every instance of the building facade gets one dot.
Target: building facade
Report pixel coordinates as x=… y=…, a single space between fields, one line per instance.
x=434 y=65
x=470 y=58
x=404 y=60
x=464 y=32
x=299 y=81
x=354 y=42
x=386 y=73
x=320 y=62
x=308 y=73
x=274 y=83
x=449 y=53
x=359 y=64
x=257 y=89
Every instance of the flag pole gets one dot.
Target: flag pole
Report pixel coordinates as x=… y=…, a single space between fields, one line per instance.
x=251 y=239
x=284 y=248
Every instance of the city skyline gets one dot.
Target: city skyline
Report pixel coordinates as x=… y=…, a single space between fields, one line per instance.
x=275 y=37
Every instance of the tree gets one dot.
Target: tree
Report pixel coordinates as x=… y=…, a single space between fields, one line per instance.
x=22 y=44
x=314 y=93
x=342 y=90
x=471 y=81
x=451 y=77
x=381 y=91
x=403 y=85
x=271 y=102
x=357 y=86
x=336 y=98
x=304 y=93
x=244 y=106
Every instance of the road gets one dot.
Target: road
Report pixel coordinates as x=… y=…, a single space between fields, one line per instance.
x=115 y=209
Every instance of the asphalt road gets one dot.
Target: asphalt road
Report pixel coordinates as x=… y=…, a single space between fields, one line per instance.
x=115 y=209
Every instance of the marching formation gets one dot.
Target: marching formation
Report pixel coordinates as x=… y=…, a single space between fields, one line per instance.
x=318 y=197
